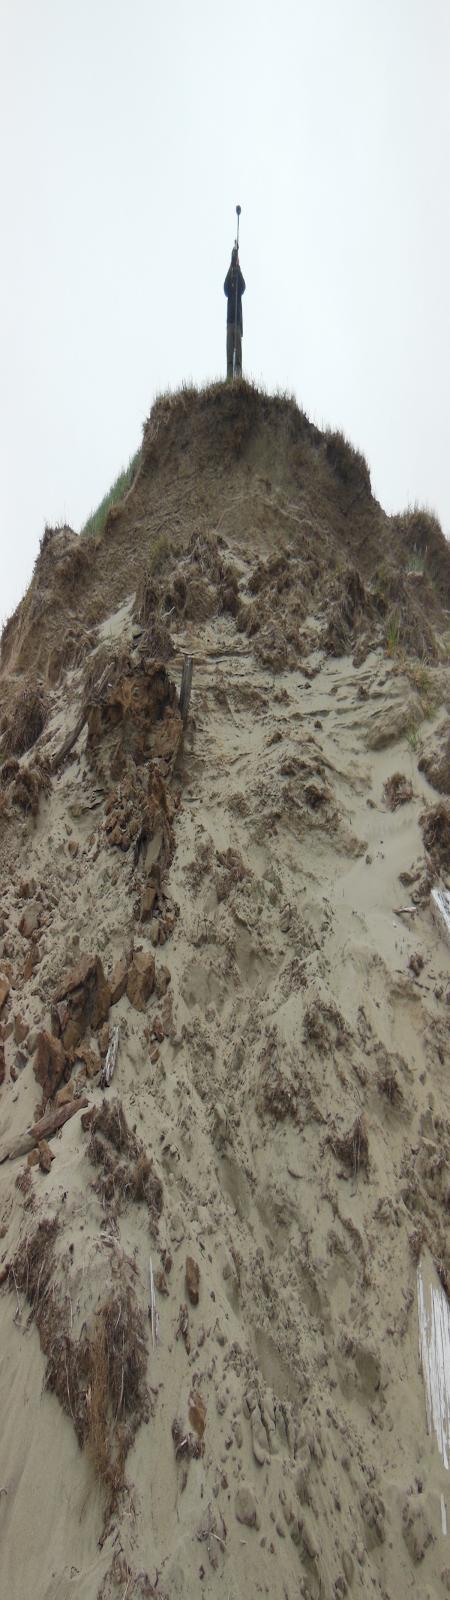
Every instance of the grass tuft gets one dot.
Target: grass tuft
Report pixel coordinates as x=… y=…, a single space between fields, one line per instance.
x=416 y=561
x=348 y=463
x=393 y=634
x=96 y=522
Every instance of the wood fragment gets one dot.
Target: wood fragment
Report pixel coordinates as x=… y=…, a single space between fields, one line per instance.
x=43 y=1129
x=440 y=911
x=17 y=1314
x=153 y=1309
x=71 y=738
x=108 y=1069
x=185 y=690
x=434 y=1348
x=405 y=911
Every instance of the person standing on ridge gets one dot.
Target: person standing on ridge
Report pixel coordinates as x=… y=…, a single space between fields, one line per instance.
x=234 y=288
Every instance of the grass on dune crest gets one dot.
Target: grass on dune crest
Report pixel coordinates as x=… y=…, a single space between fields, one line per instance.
x=96 y=522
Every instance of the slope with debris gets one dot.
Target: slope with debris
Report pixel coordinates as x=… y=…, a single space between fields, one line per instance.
x=209 y=1329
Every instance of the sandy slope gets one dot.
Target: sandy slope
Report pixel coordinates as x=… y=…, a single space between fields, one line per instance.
x=292 y=997
x=285 y=1086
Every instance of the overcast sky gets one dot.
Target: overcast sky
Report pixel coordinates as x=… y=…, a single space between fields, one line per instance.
x=129 y=130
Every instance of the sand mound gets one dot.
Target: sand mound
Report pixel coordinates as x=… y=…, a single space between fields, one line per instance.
x=224 y=1029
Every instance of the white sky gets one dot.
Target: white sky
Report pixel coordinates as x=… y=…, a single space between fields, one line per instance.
x=129 y=130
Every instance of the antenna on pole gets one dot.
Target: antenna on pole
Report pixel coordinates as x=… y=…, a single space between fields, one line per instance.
x=238 y=213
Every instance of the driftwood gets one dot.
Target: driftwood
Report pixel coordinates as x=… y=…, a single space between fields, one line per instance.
x=434 y=1350
x=44 y=1129
x=185 y=690
x=440 y=911
x=153 y=1309
x=111 y=1059
x=71 y=738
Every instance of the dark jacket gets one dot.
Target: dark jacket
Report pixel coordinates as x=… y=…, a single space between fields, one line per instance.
x=229 y=289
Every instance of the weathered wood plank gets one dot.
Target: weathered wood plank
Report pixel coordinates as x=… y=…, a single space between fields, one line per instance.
x=108 y=1069
x=440 y=911
x=434 y=1349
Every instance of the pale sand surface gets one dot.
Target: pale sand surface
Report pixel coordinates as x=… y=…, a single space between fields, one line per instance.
x=291 y=994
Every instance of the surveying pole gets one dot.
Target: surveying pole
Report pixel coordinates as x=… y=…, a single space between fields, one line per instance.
x=238 y=213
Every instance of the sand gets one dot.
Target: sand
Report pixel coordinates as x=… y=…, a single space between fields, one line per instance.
x=293 y=1099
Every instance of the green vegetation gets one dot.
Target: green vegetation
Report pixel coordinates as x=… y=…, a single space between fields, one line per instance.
x=393 y=633
x=412 y=736
x=96 y=522
x=158 y=553
x=416 y=561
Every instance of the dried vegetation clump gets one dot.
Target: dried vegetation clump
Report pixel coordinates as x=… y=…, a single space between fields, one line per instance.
x=9 y=770
x=118 y=1394
x=69 y=652
x=351 y=608
x=120 y=1580
x=27 y=720
x=149 y=614
x=99 y=1378
x=24 y=785
x=323 y=1025
x=276 y=1096
x=281 y=588
x=29 y=783
x=232 y=871
x=132 y=717
x=397 y=790
x=276 y=1092
x=404 y=614
x=418 y=533
x=126 y=1171
x=353 y=1147
x=435 y=825
x=389 y=1086
x=436 y=764
x=349 y=464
